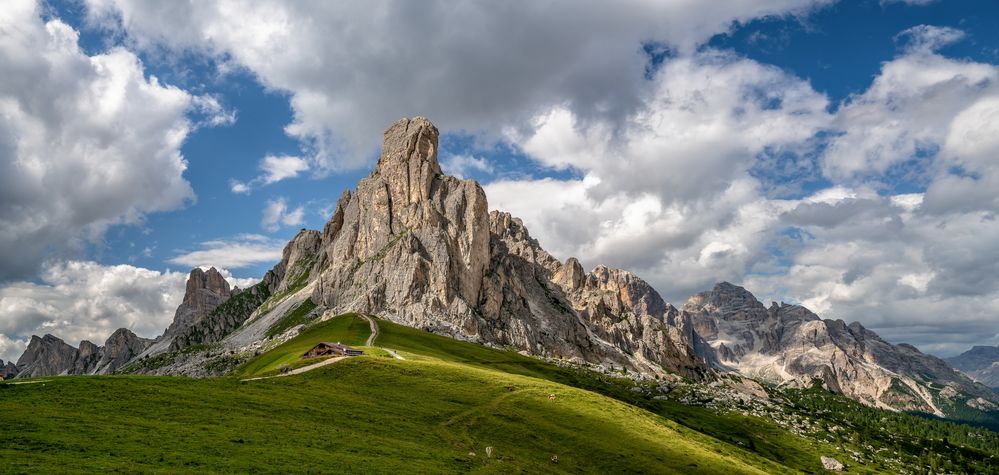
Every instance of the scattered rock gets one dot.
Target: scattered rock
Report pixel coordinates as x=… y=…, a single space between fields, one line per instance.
x=830 y=463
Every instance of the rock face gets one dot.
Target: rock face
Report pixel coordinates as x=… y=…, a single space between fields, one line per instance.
x=46 y=356
x=50 y=356
x=120 y=348
x=981 y=363
x=832 y=464
x=788 y=344
x=8 y=371
x=222 y=320
x=205 y=291
x=297 y=262
x=421 y=249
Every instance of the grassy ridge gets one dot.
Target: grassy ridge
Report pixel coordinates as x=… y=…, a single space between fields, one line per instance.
x=371 y=415
x=349 y=329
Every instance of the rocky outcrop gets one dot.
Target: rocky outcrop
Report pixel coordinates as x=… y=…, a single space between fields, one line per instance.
x=981 y=363
x=46 y=356
x=297 y=262
x=222 y=320
x=204 y=292
x=120 y=348
x=420 y=248
x=8 y=371
x=788 y=344
x=50 y=356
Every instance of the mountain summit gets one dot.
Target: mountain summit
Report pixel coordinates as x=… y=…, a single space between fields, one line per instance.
x=790 y=345
x=420 y=248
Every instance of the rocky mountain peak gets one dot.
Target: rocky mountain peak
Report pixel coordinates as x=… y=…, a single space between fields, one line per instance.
x=981 y=363
x=205 y=291
x=727 y=300
x=210 y=280
x=409 y=145
x=45 y=356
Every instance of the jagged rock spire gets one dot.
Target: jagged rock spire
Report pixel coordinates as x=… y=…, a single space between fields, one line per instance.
x=408 y=162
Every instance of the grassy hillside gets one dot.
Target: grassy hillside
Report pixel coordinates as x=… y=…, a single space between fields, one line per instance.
x=367 y=414
x=348 y=329
x=436 y=411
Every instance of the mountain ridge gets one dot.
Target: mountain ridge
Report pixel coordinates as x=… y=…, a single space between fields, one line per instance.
x=420 y=248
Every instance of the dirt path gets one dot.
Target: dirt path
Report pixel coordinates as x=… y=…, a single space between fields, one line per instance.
x=374 y=330
x=302 y=369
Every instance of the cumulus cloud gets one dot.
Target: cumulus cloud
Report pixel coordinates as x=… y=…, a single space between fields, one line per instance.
x=353 y=69
x=277 y=214
x=274 y=169
x=85 y=141
x=84 y=300
x=671 y=194
x=236 y=253
x=928 y=38
x=679 y=196
x=462 y=165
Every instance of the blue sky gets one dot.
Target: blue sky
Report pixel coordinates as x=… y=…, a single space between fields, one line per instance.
x=833 y=153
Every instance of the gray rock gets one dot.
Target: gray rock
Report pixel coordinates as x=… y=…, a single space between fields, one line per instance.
x=46 y=356
x=830 y=463
x=788 y=344
x=8 y=371
x=981 y=363
x=420 y=248
x=120 y=348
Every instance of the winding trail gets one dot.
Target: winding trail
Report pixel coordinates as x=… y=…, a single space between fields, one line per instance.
x=374 y=330
x=302 y=369
x=370 y=342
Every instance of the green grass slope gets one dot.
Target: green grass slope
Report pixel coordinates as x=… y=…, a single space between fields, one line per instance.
x=349 y=329
x=435 y=412
x=371 y=415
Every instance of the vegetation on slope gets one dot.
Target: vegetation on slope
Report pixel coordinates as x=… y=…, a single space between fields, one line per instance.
x=370 y=415
x=438 y=410
x=349 y=329
x=298 y=316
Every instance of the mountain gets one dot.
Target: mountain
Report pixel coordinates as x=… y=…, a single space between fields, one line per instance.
x=790 y=345
x=981 y=363
x=420 y=248
x=8 y=371
x=51 y=356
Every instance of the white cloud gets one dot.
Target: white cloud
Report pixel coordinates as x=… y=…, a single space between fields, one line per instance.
x=928 y=38
x=11 y=349
x=351 y=69
x=461 y=165
x=238 y=187
x=277 y=214
x=905 y=114
x=277 y=168
x=79 y=300
x=236 y=253
x=83 y=300
x=85 y=141
x=274 y=169
x=671 y=194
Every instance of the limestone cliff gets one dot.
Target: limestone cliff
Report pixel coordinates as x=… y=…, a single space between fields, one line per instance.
x=50 y=356
x=788 y=344
x=420 y=248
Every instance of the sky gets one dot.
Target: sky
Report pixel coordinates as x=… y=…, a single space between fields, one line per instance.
x=843 y=155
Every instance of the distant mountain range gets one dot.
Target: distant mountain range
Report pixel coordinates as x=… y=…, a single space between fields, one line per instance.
x=981 y=363
x=420 y=248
